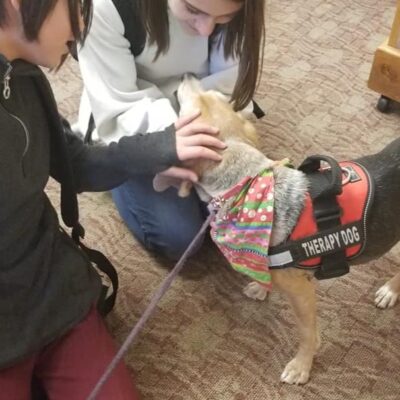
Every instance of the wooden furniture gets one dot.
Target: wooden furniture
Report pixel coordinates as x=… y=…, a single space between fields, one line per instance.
x=385 y=73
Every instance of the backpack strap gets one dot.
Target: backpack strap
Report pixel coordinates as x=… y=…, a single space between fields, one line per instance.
x=133 y=26
x=61 y=165
x=105 y=303
x=70 y=215
x=258 y=111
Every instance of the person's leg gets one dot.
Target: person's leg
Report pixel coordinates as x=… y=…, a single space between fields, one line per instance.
x=162 y=222
x=15 y=381
x=71 y=367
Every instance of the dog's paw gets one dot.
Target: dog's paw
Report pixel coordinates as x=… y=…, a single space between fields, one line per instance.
x=296 y=372
x=255 y=291
x=385 y=297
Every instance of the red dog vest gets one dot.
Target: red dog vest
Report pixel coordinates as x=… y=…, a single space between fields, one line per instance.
x=307 y=245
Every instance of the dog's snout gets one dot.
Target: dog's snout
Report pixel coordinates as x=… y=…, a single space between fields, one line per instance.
x=188 y=90
x=188 y=76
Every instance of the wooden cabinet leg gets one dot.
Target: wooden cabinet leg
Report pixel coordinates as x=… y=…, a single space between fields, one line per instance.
x=385 y=72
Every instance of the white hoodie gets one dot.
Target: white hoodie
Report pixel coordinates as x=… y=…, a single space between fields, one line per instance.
x=128 y=95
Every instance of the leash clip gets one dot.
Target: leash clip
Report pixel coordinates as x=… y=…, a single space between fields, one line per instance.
x=215 y=204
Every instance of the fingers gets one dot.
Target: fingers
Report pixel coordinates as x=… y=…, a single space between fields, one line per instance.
x=196 y=139
x=199 y=146
x=192 y=152
x=202 y=140
x=186 y=119
x=196 y=128
x=180 y=173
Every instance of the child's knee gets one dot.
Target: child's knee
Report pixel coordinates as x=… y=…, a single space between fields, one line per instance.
x=174 y=244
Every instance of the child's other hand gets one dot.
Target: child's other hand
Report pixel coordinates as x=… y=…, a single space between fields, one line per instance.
x=194 y=139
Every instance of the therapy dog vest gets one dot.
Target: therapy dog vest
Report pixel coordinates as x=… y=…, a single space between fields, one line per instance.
x=330 y=230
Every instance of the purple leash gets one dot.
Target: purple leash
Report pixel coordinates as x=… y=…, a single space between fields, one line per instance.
x=150 y=308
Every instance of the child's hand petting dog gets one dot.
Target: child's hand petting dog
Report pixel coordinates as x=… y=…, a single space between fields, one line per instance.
x=194 y=140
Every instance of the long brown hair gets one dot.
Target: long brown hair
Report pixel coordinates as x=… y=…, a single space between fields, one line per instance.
x=35 y=12
x=242 y=37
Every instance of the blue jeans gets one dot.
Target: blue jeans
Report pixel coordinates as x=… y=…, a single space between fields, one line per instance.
x=162 y=222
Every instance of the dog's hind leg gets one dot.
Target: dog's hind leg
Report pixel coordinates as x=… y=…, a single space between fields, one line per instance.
x=299 y=287
x=386 y=296
x=255 y=291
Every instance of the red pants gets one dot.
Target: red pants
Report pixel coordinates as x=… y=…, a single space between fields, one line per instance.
x=69 y=368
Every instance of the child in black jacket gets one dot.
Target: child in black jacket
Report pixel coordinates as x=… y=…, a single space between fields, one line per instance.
x=49 y=325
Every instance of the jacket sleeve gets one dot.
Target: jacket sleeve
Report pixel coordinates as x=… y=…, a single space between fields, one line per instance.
x=121 y=104
x=103 y=167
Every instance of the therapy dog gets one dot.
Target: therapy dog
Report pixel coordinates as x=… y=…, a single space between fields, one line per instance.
x=261 y=206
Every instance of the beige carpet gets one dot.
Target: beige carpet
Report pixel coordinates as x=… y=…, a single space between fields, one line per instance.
x=206 y=340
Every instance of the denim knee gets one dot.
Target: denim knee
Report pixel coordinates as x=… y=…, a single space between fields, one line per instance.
x=162 y=222
x=174 y=243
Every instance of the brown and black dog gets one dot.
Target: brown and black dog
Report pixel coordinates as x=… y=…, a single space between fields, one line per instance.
x=241 y=159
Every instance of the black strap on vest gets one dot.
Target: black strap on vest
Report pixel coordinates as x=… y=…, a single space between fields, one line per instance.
x=325 y=185
x=327 y=211
x=323 y=243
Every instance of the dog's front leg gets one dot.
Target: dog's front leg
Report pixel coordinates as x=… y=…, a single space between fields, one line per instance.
x=299 y=287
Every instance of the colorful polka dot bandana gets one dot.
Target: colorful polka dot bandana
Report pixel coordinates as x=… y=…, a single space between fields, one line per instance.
x=243 y=232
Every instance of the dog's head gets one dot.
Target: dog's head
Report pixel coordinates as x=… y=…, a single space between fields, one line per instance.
x=241 y=158
x=216 y=110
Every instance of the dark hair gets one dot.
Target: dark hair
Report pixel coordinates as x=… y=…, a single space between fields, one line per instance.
x=242 y=37
x=35 y=12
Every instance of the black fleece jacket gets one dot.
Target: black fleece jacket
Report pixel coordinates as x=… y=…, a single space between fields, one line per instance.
x=47 y=285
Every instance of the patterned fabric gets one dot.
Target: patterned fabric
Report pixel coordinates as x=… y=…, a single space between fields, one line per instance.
x=243 y=231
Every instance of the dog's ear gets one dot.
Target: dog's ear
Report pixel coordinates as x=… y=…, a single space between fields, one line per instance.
x=162 y=183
